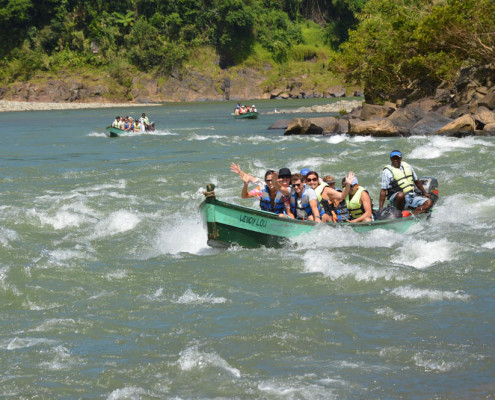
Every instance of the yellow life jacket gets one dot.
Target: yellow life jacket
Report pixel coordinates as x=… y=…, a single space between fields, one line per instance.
x=403 y=180
x=354 y=205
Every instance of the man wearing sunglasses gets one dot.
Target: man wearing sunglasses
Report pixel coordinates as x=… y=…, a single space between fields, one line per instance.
x=303 y=202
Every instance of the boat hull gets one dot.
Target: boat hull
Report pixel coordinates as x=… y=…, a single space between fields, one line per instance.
x=116 y=132
x=229 y=224
x=249 y=115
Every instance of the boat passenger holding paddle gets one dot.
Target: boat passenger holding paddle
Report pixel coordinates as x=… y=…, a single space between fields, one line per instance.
x=359 y=203
x=398 y=180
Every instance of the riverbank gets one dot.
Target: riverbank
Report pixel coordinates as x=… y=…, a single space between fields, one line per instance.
x=9 y=106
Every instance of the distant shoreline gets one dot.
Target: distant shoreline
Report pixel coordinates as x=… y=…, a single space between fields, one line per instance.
x=10 y=106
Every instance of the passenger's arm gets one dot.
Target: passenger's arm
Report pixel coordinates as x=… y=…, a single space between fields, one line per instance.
x=314 y=208
x=419 y=184
x=284 y=190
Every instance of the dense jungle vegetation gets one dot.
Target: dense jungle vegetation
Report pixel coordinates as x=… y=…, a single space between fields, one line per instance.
x=384 y=45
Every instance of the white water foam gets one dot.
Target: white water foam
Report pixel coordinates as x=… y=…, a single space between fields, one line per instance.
x=189 y=297
x=421 y=254
x=412 y=293
x=23 y=343
x=339 y=237
x=128 y=393
x=180 y=234
x=390 y=313
x=62 y=359
x=117 y=222
x=435 y=361
x=297 y=390
x=438 y=146
x=489 y=245
x=7 y=236
x=332 y=267
x=193 y=358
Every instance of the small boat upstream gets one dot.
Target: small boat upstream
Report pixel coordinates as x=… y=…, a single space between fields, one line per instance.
x=229 y=224
x=248 y=115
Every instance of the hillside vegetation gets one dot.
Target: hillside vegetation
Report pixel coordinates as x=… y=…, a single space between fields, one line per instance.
x=388 y=46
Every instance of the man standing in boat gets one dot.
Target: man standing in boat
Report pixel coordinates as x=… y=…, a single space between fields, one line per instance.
x=398 y=180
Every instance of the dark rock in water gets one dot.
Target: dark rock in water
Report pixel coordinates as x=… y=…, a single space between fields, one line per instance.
x=388 y=213
x=302 y=126
x=431 y=123
x=280 y=124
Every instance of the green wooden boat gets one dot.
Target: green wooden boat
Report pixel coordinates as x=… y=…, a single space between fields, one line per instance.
x=116 y=132
x=229 y=224
x=249 y=115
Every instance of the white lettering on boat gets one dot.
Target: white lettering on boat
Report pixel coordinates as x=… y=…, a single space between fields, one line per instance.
x=253 y=220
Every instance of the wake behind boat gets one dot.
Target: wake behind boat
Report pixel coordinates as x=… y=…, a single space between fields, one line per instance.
x=229 y=224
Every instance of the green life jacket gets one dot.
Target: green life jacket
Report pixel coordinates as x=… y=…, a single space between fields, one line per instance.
x=354 y=205
x=403 y=180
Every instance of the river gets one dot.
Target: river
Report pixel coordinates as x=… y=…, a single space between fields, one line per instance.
x=109 y=290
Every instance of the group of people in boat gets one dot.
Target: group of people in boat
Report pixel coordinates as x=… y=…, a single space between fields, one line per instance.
x=127 y=123
x=307 y=196
x=241 y=109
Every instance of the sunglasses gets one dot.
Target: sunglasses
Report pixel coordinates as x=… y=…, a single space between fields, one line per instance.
x=268 y=180
x=297 y=184
x=312 y=180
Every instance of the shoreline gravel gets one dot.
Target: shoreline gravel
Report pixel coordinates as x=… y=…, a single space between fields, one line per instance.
x=11 y=106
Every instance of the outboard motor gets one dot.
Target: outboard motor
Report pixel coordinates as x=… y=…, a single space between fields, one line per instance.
x=431 y=187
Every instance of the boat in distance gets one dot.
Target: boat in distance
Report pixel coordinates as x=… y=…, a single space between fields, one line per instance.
x=229 y=224
x=248 y=115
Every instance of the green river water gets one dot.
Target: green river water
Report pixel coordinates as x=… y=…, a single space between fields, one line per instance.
x=109 y=290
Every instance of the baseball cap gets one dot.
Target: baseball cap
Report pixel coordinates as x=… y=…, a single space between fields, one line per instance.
x=284 y=172
x=354 y=181
x=395 y=153
x=305 y=171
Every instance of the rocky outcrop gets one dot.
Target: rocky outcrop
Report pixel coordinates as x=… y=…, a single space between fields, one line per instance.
x=303 y=126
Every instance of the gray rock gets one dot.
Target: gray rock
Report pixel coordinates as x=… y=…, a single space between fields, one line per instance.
x=280 y=124
x=302 y=126
x=429 y=124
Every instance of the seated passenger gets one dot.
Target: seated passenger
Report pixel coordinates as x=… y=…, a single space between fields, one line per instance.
x=253 y=108
x=313 y=181
x=398 y=180
x=115 y=123
x=121 y=123
x=126 y=126
x=359 y=203
x=145 y=121
x=303 y=202
x=333 y=200
x=272 y=199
